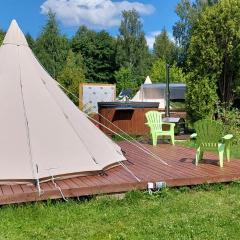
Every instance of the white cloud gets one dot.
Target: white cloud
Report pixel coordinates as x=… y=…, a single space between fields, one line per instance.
x=93 y=13
x=151 y=38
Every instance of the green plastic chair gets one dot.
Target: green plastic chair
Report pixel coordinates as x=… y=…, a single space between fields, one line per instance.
x=209 y=136
x=155 y=123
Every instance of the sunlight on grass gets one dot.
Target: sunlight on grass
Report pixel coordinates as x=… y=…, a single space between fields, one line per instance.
x=204 y=212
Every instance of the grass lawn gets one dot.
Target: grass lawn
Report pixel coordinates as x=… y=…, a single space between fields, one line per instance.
x=204 y=212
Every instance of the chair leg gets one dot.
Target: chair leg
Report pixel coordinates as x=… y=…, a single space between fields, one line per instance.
x=199 y=155
x=221 y=147
x=173 y=139
x=228 y=151
x=154 y=139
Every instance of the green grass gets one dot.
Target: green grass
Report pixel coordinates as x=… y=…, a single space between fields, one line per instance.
x=122 y=137
x=205 y=212
x=178 y=105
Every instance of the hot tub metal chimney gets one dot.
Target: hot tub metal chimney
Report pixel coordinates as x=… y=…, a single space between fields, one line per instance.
x=167 y=93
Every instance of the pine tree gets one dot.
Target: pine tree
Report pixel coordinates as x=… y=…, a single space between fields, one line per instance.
x=132 y=49
x=51 y=47
x=163 y=47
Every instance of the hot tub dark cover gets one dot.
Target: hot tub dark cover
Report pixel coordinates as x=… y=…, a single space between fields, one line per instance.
x=127 y=105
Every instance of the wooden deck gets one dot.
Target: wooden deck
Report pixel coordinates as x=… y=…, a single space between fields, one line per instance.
x=180 y=171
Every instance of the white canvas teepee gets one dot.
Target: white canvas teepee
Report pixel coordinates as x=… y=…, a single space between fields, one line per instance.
x=137 y=97
x=42 y=133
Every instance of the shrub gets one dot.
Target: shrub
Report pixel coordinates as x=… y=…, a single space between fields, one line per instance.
x=158 y=72
x=231 y=121
x=201 y=97
x=125 y=79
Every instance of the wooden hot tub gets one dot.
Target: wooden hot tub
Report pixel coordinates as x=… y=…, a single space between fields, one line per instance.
x=130 y=116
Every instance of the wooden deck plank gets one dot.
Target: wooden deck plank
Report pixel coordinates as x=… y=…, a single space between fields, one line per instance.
x=79 y=182
x=180 y=171
x=26 y=188
x=16 y=189
x=7 y=190
x=157 y=166
x=91 y=182
x=71 y=183
x=1 y=192
x=190 y=169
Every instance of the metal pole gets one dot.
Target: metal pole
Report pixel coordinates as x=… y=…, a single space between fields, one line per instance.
x=167 y=93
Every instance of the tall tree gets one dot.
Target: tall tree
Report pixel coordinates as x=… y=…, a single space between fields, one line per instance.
x=163 y=47
x=51 y=47
x=214 y=52
x=72 y=75
x=132 y=49
x=188 y=12
x=98 y=51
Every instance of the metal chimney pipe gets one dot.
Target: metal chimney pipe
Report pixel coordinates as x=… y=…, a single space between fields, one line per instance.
x=167 y=93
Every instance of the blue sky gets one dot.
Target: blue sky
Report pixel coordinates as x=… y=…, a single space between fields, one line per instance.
x=96 y=14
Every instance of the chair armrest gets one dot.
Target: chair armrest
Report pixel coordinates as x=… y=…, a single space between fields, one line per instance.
x=227 y=137
x=193 y=136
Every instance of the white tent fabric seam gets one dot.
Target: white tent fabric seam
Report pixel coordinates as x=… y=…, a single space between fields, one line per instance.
x=35 y=172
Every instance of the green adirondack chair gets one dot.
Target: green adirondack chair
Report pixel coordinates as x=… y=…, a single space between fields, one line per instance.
x=155 y=123
x=209 y=136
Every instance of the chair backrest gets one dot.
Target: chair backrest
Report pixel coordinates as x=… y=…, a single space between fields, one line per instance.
x=154 y=119
x=209 y=133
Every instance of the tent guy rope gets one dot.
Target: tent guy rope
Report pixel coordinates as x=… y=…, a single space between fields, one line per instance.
x=66 y=117
x=136 y=144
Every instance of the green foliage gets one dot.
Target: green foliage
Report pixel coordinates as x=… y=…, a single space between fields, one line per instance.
x=125 y=79
x=31 y=41
x=51 y=47
x=214 y=59
x=2 y=34
x=188 y=13
x=158 y=72
x=175 y=105
x=201 y=97
x=214 y=49
x=132 y=49
x=230 y=118
x=203 y=212
x=72 y=75
x=98 y=51
x=163 y=47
